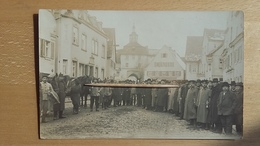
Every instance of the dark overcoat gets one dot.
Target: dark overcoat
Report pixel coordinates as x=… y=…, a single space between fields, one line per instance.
x=226 y=103
x=162 y=94
x=190 y=108
x=202 y=105
x=62 y=94
x=239 y=108
x=147 y=94
x=213 y=109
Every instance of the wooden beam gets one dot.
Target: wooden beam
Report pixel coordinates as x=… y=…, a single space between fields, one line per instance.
x=133 y=85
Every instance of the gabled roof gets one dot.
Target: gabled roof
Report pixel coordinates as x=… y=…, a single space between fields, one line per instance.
x=173 y=54
x=193 y=48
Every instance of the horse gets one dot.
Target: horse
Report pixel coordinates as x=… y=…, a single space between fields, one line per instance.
x=84 y=89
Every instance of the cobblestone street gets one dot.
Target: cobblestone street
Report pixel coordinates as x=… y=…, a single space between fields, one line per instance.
x=122 y=122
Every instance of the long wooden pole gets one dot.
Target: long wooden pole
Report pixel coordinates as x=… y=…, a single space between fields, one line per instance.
x=133 y=85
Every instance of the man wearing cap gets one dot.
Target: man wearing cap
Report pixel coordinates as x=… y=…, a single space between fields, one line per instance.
x=45 y=89
x=62 y=95
x=183 y=93
x=239 y=108
x=215 y=123
x=190 y=109
x=226 y=107
x=95 y=93
x=162 y=94
x=202 y=105
x=233 y=86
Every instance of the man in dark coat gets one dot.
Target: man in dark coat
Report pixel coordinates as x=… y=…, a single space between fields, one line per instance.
x=139 y=95
x=233 y=86
x=62 y=95
x=239 y=108
x=55 y=85
x=162 y=94
x=147 y=95
x=226 y=107
x=214 y=120
x=190 y=113
x=126 y=96
x=75 y=95
x=184 y=90
x=202 y=104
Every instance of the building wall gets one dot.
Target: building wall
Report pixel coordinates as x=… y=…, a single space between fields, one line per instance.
x=164 y=66
x=47 y=42
x=234 y=58
x=192 y=71
x=80 y=52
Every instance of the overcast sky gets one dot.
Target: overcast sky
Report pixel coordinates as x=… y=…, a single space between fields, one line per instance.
x=158 y=28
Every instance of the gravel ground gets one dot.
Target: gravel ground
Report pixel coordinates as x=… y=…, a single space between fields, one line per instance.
x=122 y=122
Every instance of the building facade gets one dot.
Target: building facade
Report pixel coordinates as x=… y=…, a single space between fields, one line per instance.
x=47 y=42
x=80 y=45
x=133 y=59
x=222 y=52
x=167 y=64
x=233 y=54
x=111 y=53
x=213 y=40
x=192 y=57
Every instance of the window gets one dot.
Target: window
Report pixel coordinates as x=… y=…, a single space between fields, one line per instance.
x=75 y=35
x=126 y=65
x=190 y=68
x=102 y=74
x=209 y=67
x=103 y=51
x=74 y=68
x=65 y=65
x=96 y=72
x=96 y=47
x=93 y=46
x=47 y=49
x=194 y=69
x=173 y=73
x=178 y=73
x=164 y=55
x=86 y=70
x=81 y=69
x=84 y=42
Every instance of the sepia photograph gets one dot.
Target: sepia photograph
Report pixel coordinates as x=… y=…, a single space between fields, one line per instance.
x=140 y=74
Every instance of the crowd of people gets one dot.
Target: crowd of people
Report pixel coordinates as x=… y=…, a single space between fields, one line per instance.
x=210 y=105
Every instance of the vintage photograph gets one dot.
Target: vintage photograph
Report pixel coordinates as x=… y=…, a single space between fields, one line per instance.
x=199 y=54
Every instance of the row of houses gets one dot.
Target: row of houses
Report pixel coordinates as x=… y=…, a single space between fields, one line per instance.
x=218 y=53
x=74 y=43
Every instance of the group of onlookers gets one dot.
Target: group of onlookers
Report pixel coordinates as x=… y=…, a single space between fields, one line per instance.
x=209 y=105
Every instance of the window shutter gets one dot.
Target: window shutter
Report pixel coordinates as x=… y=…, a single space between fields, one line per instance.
x=52 y=50
x=42 y=48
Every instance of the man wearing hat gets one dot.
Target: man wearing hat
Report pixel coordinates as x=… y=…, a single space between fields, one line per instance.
x=239 y=108
x=45 y=89
x=226 y=107
x=190 y=113
x=215 y=123
x=202 y=105
x=183 y=93
x=62 y=95
x=95 y=93
x=233 y=86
